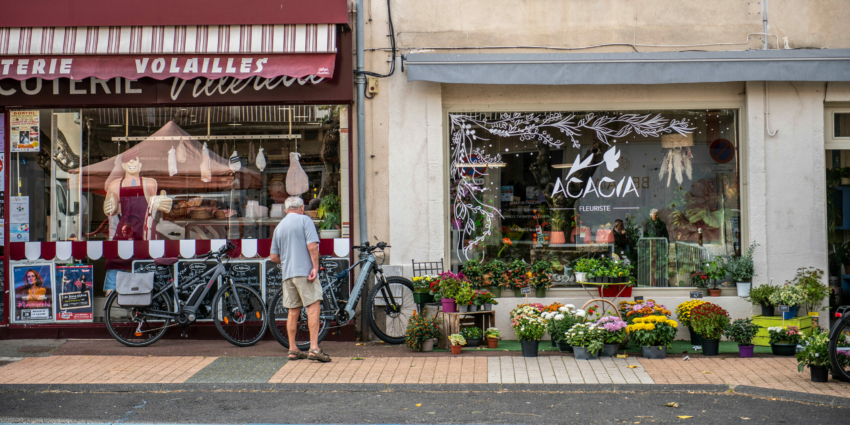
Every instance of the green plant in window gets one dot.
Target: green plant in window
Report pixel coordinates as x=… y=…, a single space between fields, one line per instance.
x=558 y=221
x=329 y=212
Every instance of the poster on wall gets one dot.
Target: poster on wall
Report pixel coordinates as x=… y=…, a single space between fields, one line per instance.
x=24 y=131
x=33 y=289
x=74 y=293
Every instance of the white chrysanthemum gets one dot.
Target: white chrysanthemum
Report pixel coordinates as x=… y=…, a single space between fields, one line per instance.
x=580 y=313
x=570 y=306
x=563 y=309
x=559 y=317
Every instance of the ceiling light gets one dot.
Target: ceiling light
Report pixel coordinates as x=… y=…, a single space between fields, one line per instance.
x=562 y=165
x=115 y=125
x=234 y=124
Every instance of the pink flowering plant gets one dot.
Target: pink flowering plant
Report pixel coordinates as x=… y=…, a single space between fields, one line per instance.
x=448 y=285
x=784 y=335
x=528 y=323
x=615 y=329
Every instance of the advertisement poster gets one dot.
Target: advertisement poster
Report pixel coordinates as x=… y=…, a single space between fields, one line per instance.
x=34 y=289
x=74 y=293
x=20 y=212
x=19 y=232
x=24 y=131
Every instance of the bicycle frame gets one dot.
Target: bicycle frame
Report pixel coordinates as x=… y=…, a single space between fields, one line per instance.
x=369 y=266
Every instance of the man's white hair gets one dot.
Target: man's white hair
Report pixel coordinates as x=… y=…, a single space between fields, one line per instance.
x=293 y=203
x=653 y=211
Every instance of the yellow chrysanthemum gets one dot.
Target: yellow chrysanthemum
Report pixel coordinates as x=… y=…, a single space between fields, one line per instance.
x=638 y=320
x=650 y=326
x=673 y=323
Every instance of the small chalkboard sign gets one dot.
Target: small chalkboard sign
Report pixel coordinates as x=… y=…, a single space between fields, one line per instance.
x=274 y=283
x=784 y=309
x=248 y=273
x=188 y=271
x=638 y=299
x=526 y=290
x=164 y=274
x=72 y=300
x=696 y=294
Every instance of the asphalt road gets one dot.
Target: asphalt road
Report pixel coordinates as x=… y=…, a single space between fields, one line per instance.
x=410 y=406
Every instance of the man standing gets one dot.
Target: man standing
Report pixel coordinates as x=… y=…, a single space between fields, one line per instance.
x=655 y=227
x=295 y=245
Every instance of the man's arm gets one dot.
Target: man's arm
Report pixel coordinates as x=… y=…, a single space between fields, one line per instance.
x=314 y=257
x=274 y=258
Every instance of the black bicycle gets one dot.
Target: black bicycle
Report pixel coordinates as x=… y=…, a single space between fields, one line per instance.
x=237 y=310
x=839 y=345
x=387 y=307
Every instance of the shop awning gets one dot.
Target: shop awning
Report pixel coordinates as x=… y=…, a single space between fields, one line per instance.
x=630 y=68
x=161 y=52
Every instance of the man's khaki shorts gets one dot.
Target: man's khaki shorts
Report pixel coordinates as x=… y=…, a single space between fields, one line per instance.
x=300 y=292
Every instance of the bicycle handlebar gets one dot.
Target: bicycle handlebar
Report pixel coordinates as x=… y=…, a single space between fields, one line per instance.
x=221 y=251
x=369 y=248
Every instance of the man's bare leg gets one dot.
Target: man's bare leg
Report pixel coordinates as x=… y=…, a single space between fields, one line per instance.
x=313 y=312
x=292 y=327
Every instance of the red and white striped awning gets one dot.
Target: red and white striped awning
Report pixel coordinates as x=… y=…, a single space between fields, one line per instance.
x=160 y=52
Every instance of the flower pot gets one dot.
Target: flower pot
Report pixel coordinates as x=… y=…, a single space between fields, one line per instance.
x=554 y=343
x=487 y=307
x=428 y=344
x=529 y=348
x=422 y=297
x=463 y=308
x=615 y=291
x=780 y=349
x=597 y=279
x=581 y=276
x=473 y=342
x=557 y=238
x=653 y=352
x=449 y=305
x=496 y=291
x=767 y=310
x=606 y=279
x=540 y=292
x=714 y=292
x=582 y=354
x=710 y=347
x=455 y=349
x=696 y=339
x=790 y=314
x=819 y=373
x=609 y=350
x=518 y=292
x=746 y=351
x=492 y=343
x=565 y=347
x=743 y=289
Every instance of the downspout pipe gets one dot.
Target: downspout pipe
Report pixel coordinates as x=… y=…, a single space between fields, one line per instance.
x=764 y=21
x=360 y=81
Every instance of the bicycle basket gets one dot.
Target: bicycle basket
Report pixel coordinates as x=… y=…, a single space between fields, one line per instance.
x=134 y=289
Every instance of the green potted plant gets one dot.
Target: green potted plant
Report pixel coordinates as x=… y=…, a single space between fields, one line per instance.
x=529 y=328
x=559 y=323
x=709 y=320
x=784 y=340
x=760 y=295
x=791 y=296
x=518 y=276
x=683 y=313
x=494 y=276
x=715 y=270
x=474 y=272
x=540 y=279
x=493 y=335
x=580 y=269
x=329 y=213
x=815 y=355
x=742 y=270
x=472 y=335
x=809 y=279
x=422 y=332
x=446 y=288
x=742 y=332
x=586 y=339
x=653 y=334
x=484 y=300
x=422 y=289
x=456 y=341
x=558 y=222
x=463 y=297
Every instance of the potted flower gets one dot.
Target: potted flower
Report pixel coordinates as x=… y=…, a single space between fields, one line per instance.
x=614 y=334
x=700 y=280
x=484 y=300
x=422 y=289
x=540 y=279
x=581 y=268
x=493 y=335
x=560 y=322
x=474 y=272
x=464 y=297
x=760 y=295
x=709 y=320
x=457 y=341
x=529 y=328
x=422 y=332
x=446 y=288
x=815 y=355
x=814 y=291
x=552 y=308
x=791 y=296
x=784 y=340
x=653 y=334
x=715 y=270
x=558 y=222
x=518 y=276
x=472 y=335
x=742 y=332
x=683 y=313
x=586 y=339
x=742 y=271
x=648 y=308
x=494 y=276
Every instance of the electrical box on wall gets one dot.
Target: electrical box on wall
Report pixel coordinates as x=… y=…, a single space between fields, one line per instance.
x=372 y=86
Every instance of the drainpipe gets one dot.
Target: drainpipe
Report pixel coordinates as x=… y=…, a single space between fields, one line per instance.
x=360 y=80
x=764 y=21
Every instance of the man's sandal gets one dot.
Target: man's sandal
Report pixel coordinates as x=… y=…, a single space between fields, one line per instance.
x=318 y=355
x=298 y=355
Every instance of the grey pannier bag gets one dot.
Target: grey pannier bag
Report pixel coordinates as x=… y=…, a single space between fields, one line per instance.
x=134 y=289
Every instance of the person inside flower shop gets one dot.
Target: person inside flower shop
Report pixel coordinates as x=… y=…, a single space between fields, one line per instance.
x=655 y=227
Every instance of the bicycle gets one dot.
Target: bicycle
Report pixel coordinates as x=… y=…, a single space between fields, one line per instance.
x=240 y=319
x=388 y=305
x=839 y=345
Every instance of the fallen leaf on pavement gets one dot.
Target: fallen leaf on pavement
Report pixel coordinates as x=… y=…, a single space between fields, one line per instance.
x=633 y=366
x=708 y=373
x=746 y=419
x=672 y=404
x=357 y=358
x=360 y=344
x=432 y=413
x=684 y=417
x=622 y=356
x=419 y=405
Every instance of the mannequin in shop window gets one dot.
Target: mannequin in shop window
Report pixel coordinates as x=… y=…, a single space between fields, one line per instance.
x=134 y=199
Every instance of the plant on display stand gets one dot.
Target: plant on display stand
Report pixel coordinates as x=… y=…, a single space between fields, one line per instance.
x=614 y=334
x=648 y=308
x=582 y=267
x=715 y=270
x=784 y=340
x=760 y=295
x=653 y=334
x=518 y=276
x=791 y=296
x=474 y=272
x=540 y=279
x=815 y=355
x=587 y=340
x=422 y=332
x=559 y=322
x=329 y=213
x=558 y=223
x=683 y=313
x=472 y=335
x=709 y=320
x=742 y=332
x=493 y=335
x=422 y=289
x=484 y=300
x=464 y=297
x=494 y=276
x=457 y=341
x=814 y=291
x=742 y=270
x=529 y=328
x=446 y=289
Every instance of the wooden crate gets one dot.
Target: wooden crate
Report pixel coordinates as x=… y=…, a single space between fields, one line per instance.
x=762 y=337
x=452 y=323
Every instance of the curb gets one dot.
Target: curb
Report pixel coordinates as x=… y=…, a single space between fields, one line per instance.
x=792 y=395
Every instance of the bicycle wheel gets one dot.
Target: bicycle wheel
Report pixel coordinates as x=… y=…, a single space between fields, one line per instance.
x=278 y=319
x=146 y=331
x=839 y=350
x=388 y=319
x=243 y=326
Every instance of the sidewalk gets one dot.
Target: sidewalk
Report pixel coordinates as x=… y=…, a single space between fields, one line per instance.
x=75 y=362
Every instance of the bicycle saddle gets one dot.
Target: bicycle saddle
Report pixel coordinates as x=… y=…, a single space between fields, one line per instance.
x=165 y=261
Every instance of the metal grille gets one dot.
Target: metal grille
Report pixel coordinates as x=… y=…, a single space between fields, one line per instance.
x=689 y=258
x=652 y=262
x=427 y=268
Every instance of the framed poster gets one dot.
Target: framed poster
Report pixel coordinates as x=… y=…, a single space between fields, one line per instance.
x=190 y=270
x=24 y=131
x=74 y=293
x=33 y=287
